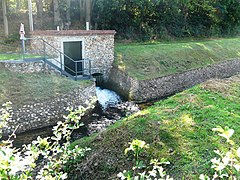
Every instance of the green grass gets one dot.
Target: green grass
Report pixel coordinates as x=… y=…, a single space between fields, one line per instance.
x=19 y=56
x=147 y=61
x=178 y=129
x=23 y=89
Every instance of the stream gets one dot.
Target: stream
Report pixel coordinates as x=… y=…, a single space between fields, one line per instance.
x=110 y=108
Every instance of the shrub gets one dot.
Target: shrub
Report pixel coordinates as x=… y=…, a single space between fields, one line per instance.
x=54 y=151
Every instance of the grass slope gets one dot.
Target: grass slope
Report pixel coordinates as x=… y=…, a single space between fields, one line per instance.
x=146 y=61
x=17 y=56
x=23 y=89
x=178 y=129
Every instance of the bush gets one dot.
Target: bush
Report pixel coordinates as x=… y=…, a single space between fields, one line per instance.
x=12 y=38
x=54 y=151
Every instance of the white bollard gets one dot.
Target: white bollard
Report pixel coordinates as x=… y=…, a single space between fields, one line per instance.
x=87 y=26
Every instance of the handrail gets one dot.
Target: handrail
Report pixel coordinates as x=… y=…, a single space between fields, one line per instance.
x=75 y=65
x=52 y=47
x=58 y=50
x=56 y=63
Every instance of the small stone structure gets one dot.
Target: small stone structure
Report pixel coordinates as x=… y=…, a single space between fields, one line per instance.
x=151 y=89
x=97 y=45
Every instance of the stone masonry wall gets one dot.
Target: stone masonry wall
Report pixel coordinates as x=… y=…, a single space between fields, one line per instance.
x=43 y=113
x=98 y=48
x=23 y=66
x=146 y=90
x=49 y=112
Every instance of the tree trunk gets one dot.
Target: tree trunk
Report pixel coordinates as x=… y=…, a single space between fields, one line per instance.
x=56 y=13
x=68 y=16
x=82 y=12
x=30 y=15
x=39 y=18
x=39 y=4
x=88 y=11
x=17 y=5
x=5 y=19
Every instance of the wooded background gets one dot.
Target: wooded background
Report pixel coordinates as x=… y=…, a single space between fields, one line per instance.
x=132 y=19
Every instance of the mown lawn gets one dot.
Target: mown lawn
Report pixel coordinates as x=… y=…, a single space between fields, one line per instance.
x=146 y=61
x=23 y=89
x=178 y=129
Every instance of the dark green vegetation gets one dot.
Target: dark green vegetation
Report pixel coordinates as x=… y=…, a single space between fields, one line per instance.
x=26 y=88
x=178 y=129
x=147 y=61
x=132 y=19
x=10 y=44
x=150 y=19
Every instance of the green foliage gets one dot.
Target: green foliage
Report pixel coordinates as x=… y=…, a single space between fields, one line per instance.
x=150 y=19
x=227 y=165
x=12 y=38
x=55 y=151
x=138 y=147
x=155 y=169
x=138 y=19
x=4 y=116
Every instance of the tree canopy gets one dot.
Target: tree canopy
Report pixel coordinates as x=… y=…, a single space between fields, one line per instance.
x=144 y=19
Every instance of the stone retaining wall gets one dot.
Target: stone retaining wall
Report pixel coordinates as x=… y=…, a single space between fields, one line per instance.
x=49 y=112
x=27 y=66
x=147 y=90
x=43 y=113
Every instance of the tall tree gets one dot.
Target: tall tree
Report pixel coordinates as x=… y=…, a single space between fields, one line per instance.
x=30 y=15
x=17 y=5
x=56 y=13
x=88 y=10
x=68 y=15
x=82 y=12
x=39 y=4
x=5 y=19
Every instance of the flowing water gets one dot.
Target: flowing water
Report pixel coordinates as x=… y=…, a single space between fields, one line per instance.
x=107 y=98
x=109 y=109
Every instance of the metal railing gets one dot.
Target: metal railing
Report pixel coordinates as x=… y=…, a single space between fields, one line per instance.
x=56 y=59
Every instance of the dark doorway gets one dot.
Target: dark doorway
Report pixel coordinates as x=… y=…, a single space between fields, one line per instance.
x=73 y=50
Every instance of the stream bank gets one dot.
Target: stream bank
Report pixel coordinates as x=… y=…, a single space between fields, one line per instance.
x=108 y=109
x=157 y=88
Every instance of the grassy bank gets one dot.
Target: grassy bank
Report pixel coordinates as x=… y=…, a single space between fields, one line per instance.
x=178 y=129
x=25 y=88
x=18 y=56
x=146 y=61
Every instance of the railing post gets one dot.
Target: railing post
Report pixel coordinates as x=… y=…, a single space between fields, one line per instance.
x=75 y=70
x=44 y=51
x=61 y=62
x=23 y=48
x=44 y=54
x=90 y=67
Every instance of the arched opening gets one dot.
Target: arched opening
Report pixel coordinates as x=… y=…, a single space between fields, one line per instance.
x=99 y=78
